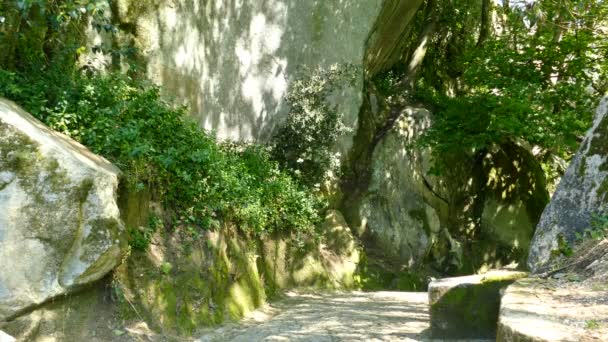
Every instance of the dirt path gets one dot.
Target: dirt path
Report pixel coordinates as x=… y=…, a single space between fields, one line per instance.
x=319 y=317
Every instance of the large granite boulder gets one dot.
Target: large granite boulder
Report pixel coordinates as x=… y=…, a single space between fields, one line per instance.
x=399 y=212
x=60 y=226
x=479 y=213
x=511 y=195
x=581 y=194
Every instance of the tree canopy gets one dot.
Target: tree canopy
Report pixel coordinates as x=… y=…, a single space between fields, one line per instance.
x=519 y=70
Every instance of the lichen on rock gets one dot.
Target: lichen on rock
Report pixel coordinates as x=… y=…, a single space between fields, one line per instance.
x=59 y=225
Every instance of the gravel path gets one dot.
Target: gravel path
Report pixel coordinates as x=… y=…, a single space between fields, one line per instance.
x=320 y=317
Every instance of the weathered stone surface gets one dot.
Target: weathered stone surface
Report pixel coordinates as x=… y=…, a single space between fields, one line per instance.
x=478 y=214
x=386 y=43
x=224 y=275
x=549 y=310
x=232 y=63
x=396 y=212
x=582 y=192
x=59 y=222
x=467 y=307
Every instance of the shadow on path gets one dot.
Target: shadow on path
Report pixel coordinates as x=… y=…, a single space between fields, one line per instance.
x=351 y=316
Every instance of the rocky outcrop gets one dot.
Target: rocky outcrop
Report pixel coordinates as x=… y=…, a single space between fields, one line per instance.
x=233 y=66
x=510 y=197
x=398 y=212
x=479 y=212
x=467 y=307
x=581 y=194
x=60 y=226
x=184 y=282
x=232 y=63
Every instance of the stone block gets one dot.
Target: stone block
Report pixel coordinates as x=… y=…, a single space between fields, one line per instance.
x=467 y=307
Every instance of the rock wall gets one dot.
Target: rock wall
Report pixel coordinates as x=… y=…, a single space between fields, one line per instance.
x=231 y=62
x=582 y=193
x=185 y=282
x=60 y=227
x=478 y=213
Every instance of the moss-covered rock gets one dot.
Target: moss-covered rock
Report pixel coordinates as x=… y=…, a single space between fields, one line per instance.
x=398 y=214
x=184 y=282
x=512 y=197
x=477 y=214
x=467 y=307
x=60 y=226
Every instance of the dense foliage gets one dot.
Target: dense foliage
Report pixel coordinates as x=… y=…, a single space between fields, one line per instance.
x=124 y=119
x=304 y=142
x=530 y=72
x=36 y=34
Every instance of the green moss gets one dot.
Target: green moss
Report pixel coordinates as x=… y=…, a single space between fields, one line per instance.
x=583 y=167
x=492 y=277
x=373 y=276
x=469 y=310
x=597 y=145
x=40 y=176
x=318 y=20
x=134 y=206
x=18 y=154
x=81 y=191
x=603 y=189
x=221 y=279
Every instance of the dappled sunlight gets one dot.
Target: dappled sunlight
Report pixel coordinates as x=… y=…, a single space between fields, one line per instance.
x=317 y=316
x=230 y=62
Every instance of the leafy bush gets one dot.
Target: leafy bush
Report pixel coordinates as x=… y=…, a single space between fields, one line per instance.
x=158 y=148
x=303 y=144
x=531 y=81
x=598 y=229
x=35 y=34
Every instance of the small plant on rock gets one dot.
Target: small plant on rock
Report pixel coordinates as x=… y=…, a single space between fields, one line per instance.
x=598 y=229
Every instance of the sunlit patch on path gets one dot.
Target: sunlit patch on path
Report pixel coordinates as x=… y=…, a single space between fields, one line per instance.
x=352 y=316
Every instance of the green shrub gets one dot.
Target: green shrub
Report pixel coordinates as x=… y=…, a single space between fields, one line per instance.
x=140 y=238
x=158 y=148
x=598 y=229
x=303 y=143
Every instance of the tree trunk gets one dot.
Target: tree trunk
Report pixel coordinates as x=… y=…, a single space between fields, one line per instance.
x=484 y=27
